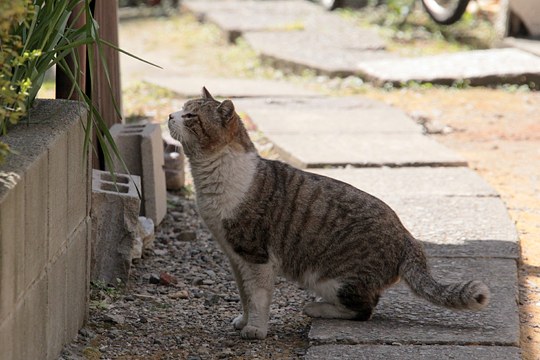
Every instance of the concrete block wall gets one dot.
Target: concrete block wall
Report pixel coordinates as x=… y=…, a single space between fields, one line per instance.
x=44 y=233
x=141 y=148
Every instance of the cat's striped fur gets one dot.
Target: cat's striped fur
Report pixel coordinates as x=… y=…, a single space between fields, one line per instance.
x=271 y=218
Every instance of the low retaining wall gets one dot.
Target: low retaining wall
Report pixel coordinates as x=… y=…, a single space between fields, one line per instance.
x=44 y=232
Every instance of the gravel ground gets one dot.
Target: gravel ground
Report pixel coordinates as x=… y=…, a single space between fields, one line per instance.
x=188 y=314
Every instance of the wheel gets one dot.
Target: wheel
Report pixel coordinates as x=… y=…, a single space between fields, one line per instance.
x=331 y=4
x=445 y=12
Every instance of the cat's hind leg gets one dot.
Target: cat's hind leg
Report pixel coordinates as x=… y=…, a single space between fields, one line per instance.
x=350 y=301
x=360 y=299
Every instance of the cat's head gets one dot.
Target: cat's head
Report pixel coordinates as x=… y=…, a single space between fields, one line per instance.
x=206 y=126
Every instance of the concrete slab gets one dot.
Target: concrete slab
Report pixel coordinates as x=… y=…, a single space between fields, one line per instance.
x=294 y=17
x=413 y=182
x=456 y=221
x=237 y=17
x=411 y=352
x=289 y=34
x=190 y=87
x=336 y=34
x=530 y=45
x=481 y=67
x=302 y=50
x=324 y=116
x=406 y=319
x=363 y=150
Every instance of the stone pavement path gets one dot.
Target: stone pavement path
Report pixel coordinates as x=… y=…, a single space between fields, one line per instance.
x=298 y=34
x=462 y=222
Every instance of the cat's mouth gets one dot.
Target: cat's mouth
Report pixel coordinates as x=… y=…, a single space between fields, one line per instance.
x=180 y=133
x=174 y=128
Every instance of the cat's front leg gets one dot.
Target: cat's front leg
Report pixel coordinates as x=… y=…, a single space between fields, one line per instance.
x=241 y=320
x=258 y=283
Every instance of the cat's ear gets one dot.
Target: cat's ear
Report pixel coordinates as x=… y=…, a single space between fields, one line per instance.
x=226 y=111
x=206 y=94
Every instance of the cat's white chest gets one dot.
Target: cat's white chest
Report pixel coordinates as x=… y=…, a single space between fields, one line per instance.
x=221 y=184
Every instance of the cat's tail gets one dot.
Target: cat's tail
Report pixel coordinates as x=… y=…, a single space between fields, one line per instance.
x=472 y=295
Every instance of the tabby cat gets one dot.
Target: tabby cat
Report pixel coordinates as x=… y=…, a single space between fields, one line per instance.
x=271 y=218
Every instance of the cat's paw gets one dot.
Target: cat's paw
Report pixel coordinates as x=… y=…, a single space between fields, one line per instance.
x=331 y=311
x=253 y=332
x=313 y=309
x=239 y=322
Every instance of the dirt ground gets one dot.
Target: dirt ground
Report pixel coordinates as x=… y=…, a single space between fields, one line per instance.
x=498 y=132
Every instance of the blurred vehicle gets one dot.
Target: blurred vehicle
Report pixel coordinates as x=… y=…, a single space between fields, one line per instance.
x=444 y=12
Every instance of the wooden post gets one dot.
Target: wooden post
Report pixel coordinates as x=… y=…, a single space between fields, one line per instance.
x=106 y=94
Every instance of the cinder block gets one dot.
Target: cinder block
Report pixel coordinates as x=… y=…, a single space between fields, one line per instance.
x=142 y=150
x=115 y=220
x=78 y=177
x=76 y=294
x=7 y=332
x=58 y=194
x=30 y=320
x=56 y=298
x=12 y=219
x=155 y=192
x=36 y=198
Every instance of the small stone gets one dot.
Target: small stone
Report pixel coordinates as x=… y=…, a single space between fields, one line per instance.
x=115 y=319
x=129 y=298
x=208 y=282
x=212 y=300
x=167 y=279
x=161 y=252
x=84 y=332
x=187 y=236
x=154 y=279
x=137 y=248
x=146 y=232
x=182 y=294
x=144 y=296
x=197 y=281
x=142 y=319
x=113 y=334
x=211 y=273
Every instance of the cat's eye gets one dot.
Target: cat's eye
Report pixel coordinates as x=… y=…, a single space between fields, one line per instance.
x=189 y=116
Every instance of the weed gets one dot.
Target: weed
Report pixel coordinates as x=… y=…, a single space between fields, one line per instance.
x=102 y=294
